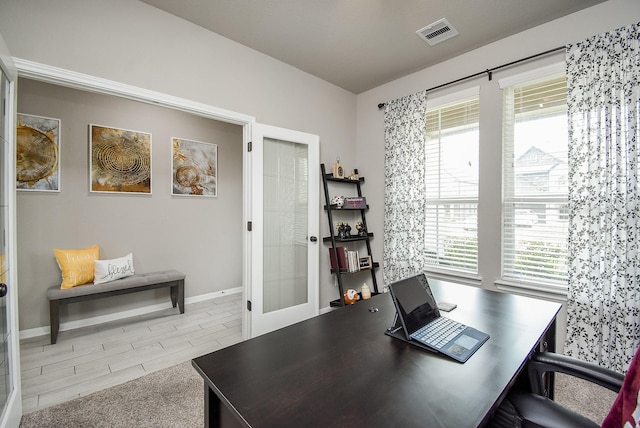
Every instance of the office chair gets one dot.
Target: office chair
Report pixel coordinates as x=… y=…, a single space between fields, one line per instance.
x=534 y=410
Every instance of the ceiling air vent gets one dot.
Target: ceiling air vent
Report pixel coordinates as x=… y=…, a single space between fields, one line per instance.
x=437 y=32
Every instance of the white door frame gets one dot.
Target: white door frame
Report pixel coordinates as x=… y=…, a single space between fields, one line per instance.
x=256 y=322
x=61 y=77
x=13 y=408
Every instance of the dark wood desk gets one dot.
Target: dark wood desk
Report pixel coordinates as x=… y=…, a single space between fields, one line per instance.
x=340 y=369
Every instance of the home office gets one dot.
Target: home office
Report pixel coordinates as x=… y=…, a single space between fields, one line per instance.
x=349 y=126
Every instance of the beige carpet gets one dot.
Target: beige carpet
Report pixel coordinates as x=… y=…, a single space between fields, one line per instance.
x=586 y=398
x=172 y=397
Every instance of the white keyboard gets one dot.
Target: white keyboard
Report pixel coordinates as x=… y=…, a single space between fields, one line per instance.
x=439 y=332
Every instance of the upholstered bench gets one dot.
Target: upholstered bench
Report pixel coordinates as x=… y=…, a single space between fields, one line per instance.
x=130 y=284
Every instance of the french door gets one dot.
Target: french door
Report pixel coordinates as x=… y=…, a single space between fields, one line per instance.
x=284 y=225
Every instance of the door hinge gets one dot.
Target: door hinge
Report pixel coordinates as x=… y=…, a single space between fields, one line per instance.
x=249 y=226
x=249 y=305
x=249 y=146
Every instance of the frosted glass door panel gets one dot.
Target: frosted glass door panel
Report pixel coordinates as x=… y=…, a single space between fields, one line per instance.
x=285 y=239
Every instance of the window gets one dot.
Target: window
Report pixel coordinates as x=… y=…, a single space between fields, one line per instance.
x=535 y=145
x=451 y=178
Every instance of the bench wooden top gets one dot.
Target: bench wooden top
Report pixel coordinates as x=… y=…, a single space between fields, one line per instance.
x=138 y=280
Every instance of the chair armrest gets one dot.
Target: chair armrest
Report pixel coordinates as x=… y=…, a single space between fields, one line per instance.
x=551 y=362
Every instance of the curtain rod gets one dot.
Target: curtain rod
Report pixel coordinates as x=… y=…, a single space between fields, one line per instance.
x=489 y=71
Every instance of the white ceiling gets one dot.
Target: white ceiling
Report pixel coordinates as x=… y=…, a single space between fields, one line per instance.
x=360 y=44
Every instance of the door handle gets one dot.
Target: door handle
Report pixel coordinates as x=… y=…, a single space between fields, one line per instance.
x=3 y=290
x=313 y=239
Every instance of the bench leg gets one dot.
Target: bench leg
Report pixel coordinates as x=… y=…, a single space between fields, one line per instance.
x=177 y=295
x=181 y=295
x=174 y=295
x=54 y=320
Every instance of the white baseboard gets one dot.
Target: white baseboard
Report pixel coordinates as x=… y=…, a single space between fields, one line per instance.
x=42 y=331
x=326 y=309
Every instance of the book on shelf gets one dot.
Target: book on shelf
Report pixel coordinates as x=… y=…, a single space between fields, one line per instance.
x=353 y=261
x=342 y=258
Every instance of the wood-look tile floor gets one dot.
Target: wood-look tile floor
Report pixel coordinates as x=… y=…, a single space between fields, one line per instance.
x=90 y=359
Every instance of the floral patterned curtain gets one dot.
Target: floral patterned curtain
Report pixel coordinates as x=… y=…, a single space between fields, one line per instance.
x=404 y=134
x=603 y=308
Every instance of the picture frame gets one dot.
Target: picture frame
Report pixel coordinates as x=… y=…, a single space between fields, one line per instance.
x=365 y=262
x=37 y=153
x=120 y=160
x=194 y=168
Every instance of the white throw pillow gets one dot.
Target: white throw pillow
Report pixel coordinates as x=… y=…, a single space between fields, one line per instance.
x=110 y=270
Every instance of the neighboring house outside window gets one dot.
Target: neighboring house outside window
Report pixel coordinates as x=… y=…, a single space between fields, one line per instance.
x=535 y=173
x=451 y=183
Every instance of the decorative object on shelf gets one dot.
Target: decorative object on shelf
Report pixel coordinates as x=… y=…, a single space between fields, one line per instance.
x=38 y=153
x=354 y=175
x=356 y=203
x=365 y=291
x=194 y=167
x=365 y=262
x=338 y=169
x=351 y=296
x=338 y=201
x=362 y=230
x=343 y=229
x=120 y=160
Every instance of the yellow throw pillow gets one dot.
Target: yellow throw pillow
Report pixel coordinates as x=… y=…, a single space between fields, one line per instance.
x=77 y=266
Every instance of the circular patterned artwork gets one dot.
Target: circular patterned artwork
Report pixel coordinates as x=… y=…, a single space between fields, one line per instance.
x=195 y=166
x=187 y=176
x=36 y=156
x=120 y=160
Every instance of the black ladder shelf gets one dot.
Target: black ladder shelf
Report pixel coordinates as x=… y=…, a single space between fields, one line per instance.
x=334 y=240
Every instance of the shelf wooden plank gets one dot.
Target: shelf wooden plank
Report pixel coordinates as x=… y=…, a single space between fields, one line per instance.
x=353 y=238
x=346 y=271
x=334 y=207
x=329 y=176
x=337 y=303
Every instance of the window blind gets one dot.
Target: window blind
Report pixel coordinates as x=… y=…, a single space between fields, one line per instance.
x=535 y=207
x=451 y=180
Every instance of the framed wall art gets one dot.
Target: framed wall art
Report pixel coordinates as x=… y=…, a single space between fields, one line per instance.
x=194 y=167
x=120 y=160
x=38 y=153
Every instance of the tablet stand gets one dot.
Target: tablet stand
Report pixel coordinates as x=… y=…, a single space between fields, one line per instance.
x=397 y=331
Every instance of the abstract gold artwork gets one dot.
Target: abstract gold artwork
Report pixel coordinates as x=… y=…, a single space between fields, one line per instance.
x=38 y=153
x=120 y=160
x=194 y=167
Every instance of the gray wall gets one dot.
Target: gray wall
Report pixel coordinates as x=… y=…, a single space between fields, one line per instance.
x=199 y=236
